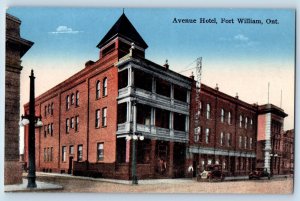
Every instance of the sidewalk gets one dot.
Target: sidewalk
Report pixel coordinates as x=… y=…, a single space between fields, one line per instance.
x=41 y=186
x=117 y=181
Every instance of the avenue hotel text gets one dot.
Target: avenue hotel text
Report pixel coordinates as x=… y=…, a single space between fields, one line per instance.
x=203 y=20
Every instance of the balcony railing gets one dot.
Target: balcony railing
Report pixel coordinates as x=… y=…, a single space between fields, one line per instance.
x=153 y=97
x=155 y=132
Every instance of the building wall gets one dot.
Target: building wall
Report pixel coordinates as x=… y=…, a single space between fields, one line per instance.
x=16 y=47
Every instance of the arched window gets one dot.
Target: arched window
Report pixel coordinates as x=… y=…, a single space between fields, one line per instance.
x=207 y=111
x=52 y=108
x=105 y=86
x=97 y=89
x=72 y=99
x=67 y=102
x=229 y=118
x=77 y=98
x=222 y=139
x=246 y=122
x=241 y=121
x=222 y=115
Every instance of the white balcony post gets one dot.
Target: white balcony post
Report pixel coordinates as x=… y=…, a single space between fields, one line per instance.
x=187 y=124
x=188 y=96
x=172 y=94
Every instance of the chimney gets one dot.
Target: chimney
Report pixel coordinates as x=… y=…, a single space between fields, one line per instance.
x=89 y=63
x=217 y=87
x=166 y=65
x=237 y=96
x=192 y=76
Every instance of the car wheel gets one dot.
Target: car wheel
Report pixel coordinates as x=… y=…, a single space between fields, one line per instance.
x=250 y=178
x=269 y=177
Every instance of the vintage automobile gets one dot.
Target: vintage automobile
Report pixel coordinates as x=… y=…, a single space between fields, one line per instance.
x=259 y=173
x=212 y=173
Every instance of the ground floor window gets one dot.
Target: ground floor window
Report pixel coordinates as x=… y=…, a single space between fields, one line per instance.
x=100 y=151
x=79 y=153
x=63 y=154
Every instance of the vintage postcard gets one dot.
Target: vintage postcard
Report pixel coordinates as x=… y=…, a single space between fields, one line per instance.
x=150 y=100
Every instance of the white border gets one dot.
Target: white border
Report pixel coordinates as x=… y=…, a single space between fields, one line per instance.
x=138 y=3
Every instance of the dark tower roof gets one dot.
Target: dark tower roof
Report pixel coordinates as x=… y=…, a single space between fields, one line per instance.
x=124 y=28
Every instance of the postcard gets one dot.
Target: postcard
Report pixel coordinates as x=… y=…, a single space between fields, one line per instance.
x=148 y=100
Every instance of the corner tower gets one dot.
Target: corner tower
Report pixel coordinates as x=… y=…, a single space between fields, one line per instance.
x=120 y=37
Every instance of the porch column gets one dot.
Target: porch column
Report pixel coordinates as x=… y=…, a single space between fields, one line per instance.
x=171 y=154
x=172 y=94
x=129 y=76
x=171 y=123
x=187 y=124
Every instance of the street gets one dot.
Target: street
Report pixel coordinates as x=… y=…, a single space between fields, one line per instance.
x=273 y=186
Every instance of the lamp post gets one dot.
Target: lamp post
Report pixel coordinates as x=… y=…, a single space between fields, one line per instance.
x=133 y=137
x=33 y=121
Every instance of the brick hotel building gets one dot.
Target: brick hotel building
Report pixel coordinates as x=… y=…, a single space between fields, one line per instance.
x=88 y=116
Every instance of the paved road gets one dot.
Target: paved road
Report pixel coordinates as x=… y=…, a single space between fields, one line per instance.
x=273 y=186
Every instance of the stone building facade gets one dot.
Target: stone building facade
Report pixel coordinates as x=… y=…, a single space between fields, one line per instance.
x=16 y=47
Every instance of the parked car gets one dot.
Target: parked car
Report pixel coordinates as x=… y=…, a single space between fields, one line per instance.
x=259 y=173
x=212 y=173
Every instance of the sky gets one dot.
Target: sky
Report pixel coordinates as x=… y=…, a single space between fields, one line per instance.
x=240 y=58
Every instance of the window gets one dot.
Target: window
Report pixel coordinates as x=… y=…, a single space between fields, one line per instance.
x=63 y=154
x=207 y=111
x=98 y=89
x=79 y=153
x=104 y=114
x=251 y=122
x=246 y=122
x=240 y=142
x=97 y=118
x=207 y=131
x=245 y=142
x=45 y=110
x=71 y=150
x=105 y=86
x=200 y=107
x=67 y=102
x=49 y=109
x=76 y=123
x=52 y=108
x=51 y=153
x=100 y=152
x=222 y=115
x=45 y=154
x=229 y=118
x=77 y=98
x=197 y=134
x=48 y=154
x=72 y=122
x=67 y=126
x=45 y=131
x=222 y=139
x=228 y=140
x=250 y=143
x=241 y=121
x=72 y=99
x=51 y=129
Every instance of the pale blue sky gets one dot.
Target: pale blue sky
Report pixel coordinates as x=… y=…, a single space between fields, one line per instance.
x=241 y=58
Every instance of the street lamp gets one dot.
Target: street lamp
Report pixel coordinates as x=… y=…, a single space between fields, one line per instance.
x=33 y=121
x=134 y=138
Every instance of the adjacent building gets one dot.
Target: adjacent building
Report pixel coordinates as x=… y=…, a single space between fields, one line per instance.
x=88 y=118
x=16 y=47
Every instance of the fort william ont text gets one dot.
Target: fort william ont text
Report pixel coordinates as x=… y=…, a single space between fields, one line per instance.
x=223 y=21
